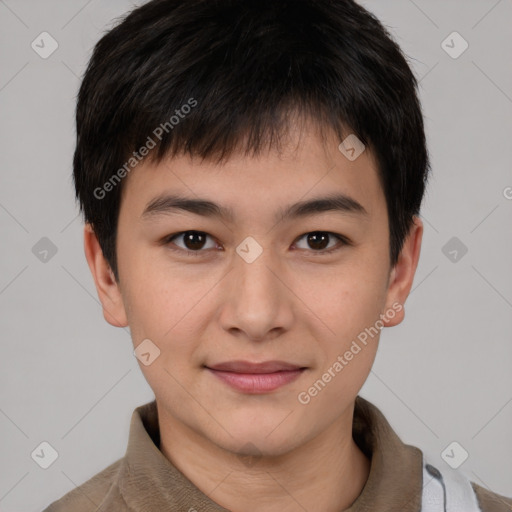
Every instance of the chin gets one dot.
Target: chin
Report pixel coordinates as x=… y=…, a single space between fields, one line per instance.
x=258 y=438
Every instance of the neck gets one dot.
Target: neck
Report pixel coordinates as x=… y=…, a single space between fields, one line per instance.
x=326 y=473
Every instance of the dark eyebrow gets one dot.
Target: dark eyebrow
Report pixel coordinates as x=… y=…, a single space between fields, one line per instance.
x=167 y=204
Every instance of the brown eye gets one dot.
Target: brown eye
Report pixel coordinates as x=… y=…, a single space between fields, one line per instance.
x=318 y=241
x=193 y=241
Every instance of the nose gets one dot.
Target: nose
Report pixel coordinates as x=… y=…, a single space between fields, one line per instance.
x=257 y=302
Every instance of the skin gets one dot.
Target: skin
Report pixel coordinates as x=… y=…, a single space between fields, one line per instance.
x=291 y=304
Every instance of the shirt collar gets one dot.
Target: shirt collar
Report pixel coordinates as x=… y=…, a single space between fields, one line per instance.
x=394 y=483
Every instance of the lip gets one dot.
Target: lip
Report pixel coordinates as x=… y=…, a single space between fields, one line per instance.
x=256 y=378
x=249 y=367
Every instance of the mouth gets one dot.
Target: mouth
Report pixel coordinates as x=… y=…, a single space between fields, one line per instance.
x=256 y=378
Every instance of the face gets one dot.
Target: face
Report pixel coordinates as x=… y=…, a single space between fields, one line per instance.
x=308 y=288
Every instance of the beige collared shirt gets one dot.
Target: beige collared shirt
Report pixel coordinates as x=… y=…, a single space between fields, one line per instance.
x=144 y=480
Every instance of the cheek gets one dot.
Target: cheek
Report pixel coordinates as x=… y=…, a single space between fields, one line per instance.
x=154 y=302
x=344 y=300
x=169 y=308
x=169 y=314
x=349 y=353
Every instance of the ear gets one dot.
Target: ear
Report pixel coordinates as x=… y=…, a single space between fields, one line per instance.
x=402 y=275
x=106 y=284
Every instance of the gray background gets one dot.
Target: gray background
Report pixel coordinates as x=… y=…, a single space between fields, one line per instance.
x=443 y=375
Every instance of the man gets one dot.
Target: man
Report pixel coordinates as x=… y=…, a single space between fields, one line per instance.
x=251 y=175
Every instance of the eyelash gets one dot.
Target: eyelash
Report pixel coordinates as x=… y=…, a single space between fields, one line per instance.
x=344 y=241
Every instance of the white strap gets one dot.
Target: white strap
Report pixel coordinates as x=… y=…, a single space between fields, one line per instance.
x=442 y=480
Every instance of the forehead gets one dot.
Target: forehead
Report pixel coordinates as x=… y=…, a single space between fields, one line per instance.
x=306 y=166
